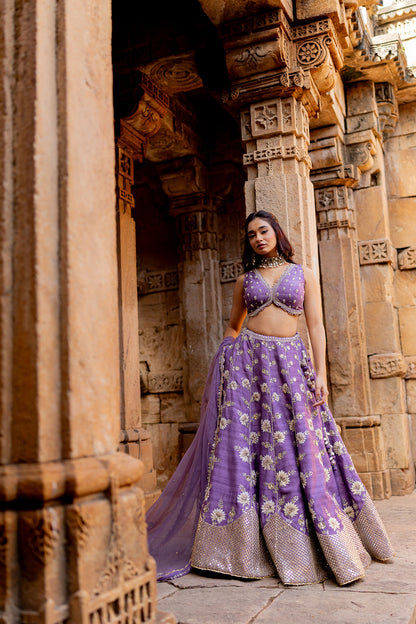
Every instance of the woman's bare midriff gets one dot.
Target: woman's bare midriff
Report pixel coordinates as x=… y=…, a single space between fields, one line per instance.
x=273 y=321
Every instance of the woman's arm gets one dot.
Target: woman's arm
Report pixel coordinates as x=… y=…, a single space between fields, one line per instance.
x=238 y=310
x=313 y=315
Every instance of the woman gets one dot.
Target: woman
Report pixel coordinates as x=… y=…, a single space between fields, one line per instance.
x=268 y=488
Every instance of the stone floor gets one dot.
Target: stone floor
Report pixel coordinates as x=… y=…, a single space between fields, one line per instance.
x=386 y=595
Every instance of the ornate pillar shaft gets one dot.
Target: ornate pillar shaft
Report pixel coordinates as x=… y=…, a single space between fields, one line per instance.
x=66 y=495
x=132 y=142
x=276 y=134
x=199 y=284
x=338 y=163
x=126 y=252
x=372 y=109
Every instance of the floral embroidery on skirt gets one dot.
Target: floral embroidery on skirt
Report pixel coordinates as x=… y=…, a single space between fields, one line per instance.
x=282 y=495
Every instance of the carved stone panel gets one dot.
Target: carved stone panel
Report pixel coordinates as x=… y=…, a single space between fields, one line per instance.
x=42 y=532
x=175 y=74
x=230 y=270
x=387 y=365
x=407 y=258
x=157 y=281
x=410 y=362
x=259 y=56
x=376 y=251
x=278 y=116
x=334 y=215
x=165 y=382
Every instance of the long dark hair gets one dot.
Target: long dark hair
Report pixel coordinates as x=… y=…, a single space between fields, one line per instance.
x=284 y=248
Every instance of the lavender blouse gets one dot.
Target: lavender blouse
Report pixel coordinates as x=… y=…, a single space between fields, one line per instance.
x=287 y=293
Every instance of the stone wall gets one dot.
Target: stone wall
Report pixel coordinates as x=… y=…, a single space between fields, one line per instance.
x=401 y=190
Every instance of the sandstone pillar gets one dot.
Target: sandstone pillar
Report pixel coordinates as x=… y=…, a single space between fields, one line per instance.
x=185 y=183
x=73 y=538
x=337 y=167
x=278 y=72
x=368 y=120
x=149 y=104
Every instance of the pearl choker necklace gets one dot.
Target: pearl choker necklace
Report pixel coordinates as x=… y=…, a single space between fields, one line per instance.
x=271 y=263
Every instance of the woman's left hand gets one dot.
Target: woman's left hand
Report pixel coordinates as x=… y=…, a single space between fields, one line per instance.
x=321 y=390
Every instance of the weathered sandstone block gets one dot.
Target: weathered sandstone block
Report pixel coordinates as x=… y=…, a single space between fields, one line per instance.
x=395 y=429
x=402 y=221
x=407 y=321
x=381 y=328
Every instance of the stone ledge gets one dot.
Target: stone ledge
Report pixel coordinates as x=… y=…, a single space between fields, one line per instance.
x=349 y=422
x=80 y=477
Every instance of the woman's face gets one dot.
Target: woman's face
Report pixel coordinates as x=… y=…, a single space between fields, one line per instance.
x=262 y=237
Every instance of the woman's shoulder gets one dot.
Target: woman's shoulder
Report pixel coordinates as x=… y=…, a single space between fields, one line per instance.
x=308 y=273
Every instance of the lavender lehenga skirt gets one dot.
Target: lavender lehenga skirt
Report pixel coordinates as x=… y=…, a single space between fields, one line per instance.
x=267 y=488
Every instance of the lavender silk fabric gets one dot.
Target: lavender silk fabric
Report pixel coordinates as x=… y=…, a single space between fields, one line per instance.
x=173 y=518
x=267 y=487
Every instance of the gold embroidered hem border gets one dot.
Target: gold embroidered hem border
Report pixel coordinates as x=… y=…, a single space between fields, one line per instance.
x=237 y=548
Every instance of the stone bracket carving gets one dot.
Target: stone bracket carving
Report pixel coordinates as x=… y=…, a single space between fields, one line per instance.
x=407 y=258
x=376 y=251
x=387 y=108
x=230 y=270
x=291 y=81
x=318 y=49
x=175 y=74
x=361 y=147
x=410 y=363
x=268 y=55
x=157 y=281
x=386 y=365
x=150 y=109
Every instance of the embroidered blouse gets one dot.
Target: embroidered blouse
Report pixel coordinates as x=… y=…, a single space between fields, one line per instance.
x=287 y=293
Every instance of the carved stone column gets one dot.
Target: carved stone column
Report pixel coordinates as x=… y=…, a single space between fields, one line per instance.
x=342 y=301
x=371 y=114
x=185 y=182
x=278 y=72
x=67 y=496
x=135 y=131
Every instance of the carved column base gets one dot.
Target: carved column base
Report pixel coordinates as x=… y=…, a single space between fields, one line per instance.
x=364 y=440
x=75 y=550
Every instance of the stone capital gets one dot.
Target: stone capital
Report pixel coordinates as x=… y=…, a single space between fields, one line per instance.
x=267 y=57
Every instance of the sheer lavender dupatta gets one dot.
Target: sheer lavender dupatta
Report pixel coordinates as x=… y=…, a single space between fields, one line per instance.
x=173 y=518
